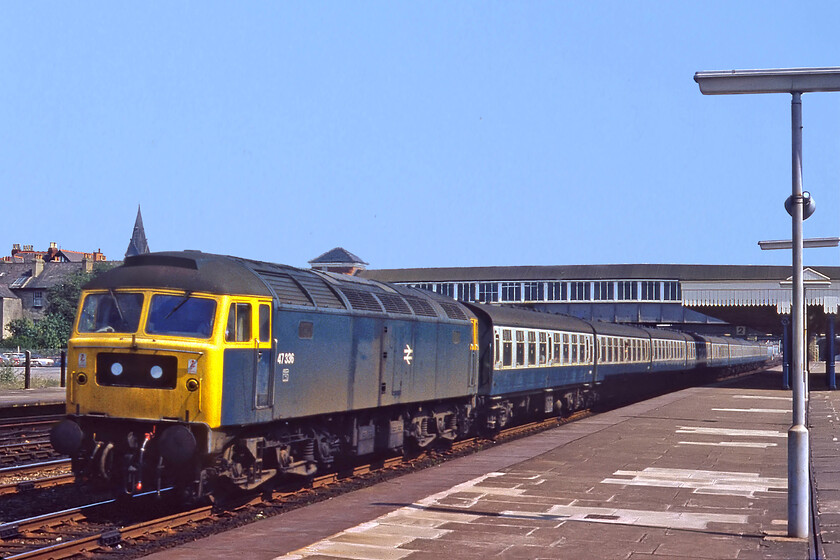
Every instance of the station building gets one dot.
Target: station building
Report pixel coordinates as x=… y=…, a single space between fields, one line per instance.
x=723 y=300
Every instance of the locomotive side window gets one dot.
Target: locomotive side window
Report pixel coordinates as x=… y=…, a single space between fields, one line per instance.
x=507 y=346
x=110 y=312
x=239 y=323
x=265 y=323
x=306 y=329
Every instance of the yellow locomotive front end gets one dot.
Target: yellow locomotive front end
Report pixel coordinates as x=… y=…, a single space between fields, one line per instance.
x=146 y=369
x=127 y=342
x=144 y=386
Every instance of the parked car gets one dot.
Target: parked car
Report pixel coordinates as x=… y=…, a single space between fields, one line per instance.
x=16 y=358
x=42 y=362
x=4 y=360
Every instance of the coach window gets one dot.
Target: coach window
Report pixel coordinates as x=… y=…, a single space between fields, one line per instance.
x=543 y=349
x=566 y=351
x=497 y=347
x=520 y=348
x=558 y=353
x=507 y=347
x=551 y=358
x=532 y=348
x=239 y=323
x=574 y=348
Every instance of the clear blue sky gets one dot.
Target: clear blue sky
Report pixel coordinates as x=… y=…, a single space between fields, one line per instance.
x=414 y=134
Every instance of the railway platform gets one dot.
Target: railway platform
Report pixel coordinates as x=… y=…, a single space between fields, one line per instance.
x=700 y=473
x=49 y=400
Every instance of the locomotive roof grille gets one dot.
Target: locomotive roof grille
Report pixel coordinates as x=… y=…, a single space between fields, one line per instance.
x=394 y=304
x=360 y=300
x=453 y=311
x=420 y=306
x=286 y=289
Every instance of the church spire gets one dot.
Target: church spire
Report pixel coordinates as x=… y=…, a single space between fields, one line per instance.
x=137 y=245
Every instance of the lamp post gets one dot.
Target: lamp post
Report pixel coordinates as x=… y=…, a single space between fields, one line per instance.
x=794 y=81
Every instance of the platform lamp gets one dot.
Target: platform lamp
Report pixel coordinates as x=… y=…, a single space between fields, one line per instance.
x=794 y=81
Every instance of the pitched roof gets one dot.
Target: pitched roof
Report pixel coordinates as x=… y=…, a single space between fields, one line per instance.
x=339 y=255
x=53 y=274
x=72 y=256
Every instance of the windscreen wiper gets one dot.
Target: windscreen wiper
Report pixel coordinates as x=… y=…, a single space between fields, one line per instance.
x=179 y=305
x=117 y=304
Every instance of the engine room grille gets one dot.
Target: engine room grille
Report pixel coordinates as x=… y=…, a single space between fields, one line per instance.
x=453 y=311
x=394 y=304
x=361 y=300
x=420 y=306
x=286 y=289
x=318 y=289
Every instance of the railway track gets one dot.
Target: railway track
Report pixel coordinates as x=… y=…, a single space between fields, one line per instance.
x=23 y=478
x=27 y=439
x=98 y=527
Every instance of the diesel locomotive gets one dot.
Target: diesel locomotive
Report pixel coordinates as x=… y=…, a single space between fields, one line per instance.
x=208 y=372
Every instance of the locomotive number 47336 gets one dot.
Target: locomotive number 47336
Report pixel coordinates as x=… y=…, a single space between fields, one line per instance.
x=285 y=358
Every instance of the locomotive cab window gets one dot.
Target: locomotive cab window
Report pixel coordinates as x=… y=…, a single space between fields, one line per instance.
x=186 y=316
x=110 y=312
x=239 y=323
